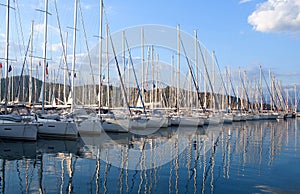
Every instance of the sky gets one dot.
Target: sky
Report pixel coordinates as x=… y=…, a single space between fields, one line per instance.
x=242 y=33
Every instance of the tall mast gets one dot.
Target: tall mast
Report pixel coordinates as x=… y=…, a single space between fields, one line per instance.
x=74 y=57
x=196 y=63
x=107 y=62
x=100 y=54
x=261 y=93
x=123 y=62
x=171 y=97
x=156 y=81
x=143 y=63
x=44 y=55
x=65 y=70
x=213 y=82
x=178 y=69
x=241 y=90
x=296 y=103
x=152 y=91
x=31 y=63
x=6 y=55
x=205 y=80
x=271 y=94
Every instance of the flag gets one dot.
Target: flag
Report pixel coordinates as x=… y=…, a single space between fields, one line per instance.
x=0 y=64
x=9 y=68
x=75 y=75
x=103 y=77
x=47 y=69
x=69 y=73
x=40 y=64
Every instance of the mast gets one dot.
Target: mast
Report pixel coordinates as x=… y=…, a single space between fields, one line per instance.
x=74 y=57
x=204 y=81
x=271 y=94
x=156 y=80
x=178 y=70
x=123 y=62
x=196 y=63
x=120 y=75
x=143 y=63
x=152 y=91
x=242 y=91
x=107 y=62
x=6 y=55
x=12 y=85
x=172 y=83
x=213 y=82
x=100 y=54
x=65 y=71
x=261 y=93
x=44 y=55
x=31 y=63
x=296 y=103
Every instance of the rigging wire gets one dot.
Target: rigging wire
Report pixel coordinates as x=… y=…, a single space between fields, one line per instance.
x=87 y=48
x=192 y=75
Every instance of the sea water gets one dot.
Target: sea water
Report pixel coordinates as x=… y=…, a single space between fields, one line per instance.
x=243 y=157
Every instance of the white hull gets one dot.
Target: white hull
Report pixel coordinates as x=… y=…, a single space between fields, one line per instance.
x=157 y=122
x=256 y=117
x=116 y=125
x=89 y=127
x=237 y=117
x=18 y=131
x=268 y=116
x=248 y=117
x=228 y=118
x=175 y=120
x=191 y=121
x=59 y=129
x=88 y=124
x=138 y=123
x=213 y=120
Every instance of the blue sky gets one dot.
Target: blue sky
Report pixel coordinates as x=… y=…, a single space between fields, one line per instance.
x=243 y=33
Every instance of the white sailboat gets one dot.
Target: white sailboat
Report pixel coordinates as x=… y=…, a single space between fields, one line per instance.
x=13 y=126
x=48 y=126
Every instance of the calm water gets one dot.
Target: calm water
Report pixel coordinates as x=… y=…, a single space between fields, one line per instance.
x=250 y=157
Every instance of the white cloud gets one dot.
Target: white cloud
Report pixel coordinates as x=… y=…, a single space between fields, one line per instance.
x=39 y=28
x=276 y=16
x=244 y=1
x=87 y=7
x=56 y=47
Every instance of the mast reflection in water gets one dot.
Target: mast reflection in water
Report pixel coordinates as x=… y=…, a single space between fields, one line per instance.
x=247 y=157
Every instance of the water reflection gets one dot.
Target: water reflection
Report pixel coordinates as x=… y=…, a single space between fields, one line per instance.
x=242 y=157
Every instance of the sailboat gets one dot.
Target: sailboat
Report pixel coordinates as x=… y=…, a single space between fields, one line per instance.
x=12 y=126
x=53 y=125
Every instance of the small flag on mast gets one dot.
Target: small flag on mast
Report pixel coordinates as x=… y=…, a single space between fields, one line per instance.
x=47 y=69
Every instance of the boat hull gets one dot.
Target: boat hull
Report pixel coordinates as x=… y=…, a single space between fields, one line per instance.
x=18 y=131
x=57 y=129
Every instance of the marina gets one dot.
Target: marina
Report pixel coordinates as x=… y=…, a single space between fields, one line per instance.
x=145 y=109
